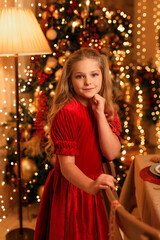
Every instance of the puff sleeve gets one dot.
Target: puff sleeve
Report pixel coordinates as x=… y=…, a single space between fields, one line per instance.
x=64 y=133
x=115 y=125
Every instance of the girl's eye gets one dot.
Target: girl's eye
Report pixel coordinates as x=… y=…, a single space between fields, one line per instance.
x=79 y=76
x=95 y=74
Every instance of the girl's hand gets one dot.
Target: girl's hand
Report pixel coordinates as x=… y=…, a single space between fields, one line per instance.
x=102 y=182
x=98 y=104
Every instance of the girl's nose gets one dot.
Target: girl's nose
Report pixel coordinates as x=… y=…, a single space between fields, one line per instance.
x=87 y=80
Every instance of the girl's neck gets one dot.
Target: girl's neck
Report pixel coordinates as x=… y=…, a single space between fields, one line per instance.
x=85 y=103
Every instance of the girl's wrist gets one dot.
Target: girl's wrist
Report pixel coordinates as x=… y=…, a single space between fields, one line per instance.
x=100 y=115
x=90 y=187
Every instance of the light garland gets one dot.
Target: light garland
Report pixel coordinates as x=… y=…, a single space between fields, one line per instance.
x=141 y=49
x=156 y=18
x=6 y=89
x=158 y=133
x=141 y=31
x=126 y=89
x=5 y=3
x=139 y=111
x=156 y=112
x=131 y=75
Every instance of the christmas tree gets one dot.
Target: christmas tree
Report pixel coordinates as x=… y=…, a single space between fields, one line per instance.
x=68 y=26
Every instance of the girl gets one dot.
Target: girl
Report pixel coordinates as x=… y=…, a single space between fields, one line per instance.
x=84 y=127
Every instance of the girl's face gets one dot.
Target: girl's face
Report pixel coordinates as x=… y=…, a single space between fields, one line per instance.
x=86 y=80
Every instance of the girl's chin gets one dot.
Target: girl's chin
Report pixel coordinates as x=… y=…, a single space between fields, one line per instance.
x=87 y=96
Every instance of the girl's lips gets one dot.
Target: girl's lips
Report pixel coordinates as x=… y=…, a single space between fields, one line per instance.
x=88 y=89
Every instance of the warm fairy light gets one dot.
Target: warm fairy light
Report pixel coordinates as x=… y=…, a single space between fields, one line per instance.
x=126 y=89
x=141 y=31
x=87 y=4
x=156 y=18
x=121 y=28
x=123 y=152
x=158 y=133
x=5 y=90
x=5 y=3
x=139 y=111
x=156 y=112
x=46 y=166
x=74 y=24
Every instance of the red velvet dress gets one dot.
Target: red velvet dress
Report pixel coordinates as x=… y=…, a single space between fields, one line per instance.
x=66 y=212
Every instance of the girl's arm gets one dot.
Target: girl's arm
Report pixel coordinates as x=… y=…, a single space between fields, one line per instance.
x=109 y=142
x=75 y=176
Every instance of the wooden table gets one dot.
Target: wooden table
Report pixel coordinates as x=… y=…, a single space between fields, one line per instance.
x=140 y=193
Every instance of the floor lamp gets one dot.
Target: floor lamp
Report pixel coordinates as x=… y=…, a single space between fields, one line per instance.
x=20 y=35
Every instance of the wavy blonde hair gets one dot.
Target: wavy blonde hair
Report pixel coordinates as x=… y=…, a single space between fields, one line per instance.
x=64 y=92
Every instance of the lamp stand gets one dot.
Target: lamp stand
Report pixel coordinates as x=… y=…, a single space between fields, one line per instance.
x=19 y=233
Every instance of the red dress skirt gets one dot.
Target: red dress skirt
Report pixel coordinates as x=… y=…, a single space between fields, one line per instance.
x=67 y=212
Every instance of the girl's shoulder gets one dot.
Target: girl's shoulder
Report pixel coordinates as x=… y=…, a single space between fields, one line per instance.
x=72 y=105
x=67 y=117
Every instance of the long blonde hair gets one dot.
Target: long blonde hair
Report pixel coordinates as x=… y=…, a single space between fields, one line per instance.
x=64 y=92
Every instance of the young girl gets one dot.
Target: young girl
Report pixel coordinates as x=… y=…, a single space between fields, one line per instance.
x=84 y=127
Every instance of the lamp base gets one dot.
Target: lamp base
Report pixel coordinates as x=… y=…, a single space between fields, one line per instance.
x=15 y=234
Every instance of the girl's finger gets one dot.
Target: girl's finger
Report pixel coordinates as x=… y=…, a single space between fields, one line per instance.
x=93 y=102
x=103 y=186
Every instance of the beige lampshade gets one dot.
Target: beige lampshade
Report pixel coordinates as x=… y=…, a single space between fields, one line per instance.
x=20 y=33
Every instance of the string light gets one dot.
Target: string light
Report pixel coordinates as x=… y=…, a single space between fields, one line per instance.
x=126 y=89
x=139 y=111
x=141 y=58
x=158 y=133
x=156 y=113
x=156 y=19
x=141 y=31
